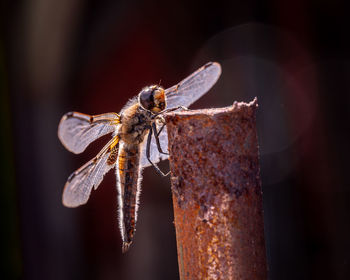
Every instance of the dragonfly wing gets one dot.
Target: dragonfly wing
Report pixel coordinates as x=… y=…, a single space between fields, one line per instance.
x=182 y=94
x=76 y=130
x=194 y=86
x=155 y=155
x=79 y=185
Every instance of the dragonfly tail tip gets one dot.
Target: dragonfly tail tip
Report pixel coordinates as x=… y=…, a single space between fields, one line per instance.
x=126 y=246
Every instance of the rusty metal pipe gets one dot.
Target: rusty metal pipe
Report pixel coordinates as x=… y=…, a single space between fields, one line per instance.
x=217 y=197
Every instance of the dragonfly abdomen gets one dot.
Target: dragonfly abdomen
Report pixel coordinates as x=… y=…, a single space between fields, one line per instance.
x=128 y=173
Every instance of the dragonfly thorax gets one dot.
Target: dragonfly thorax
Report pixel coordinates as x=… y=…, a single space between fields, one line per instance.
x=152 y=98
x=135 y=122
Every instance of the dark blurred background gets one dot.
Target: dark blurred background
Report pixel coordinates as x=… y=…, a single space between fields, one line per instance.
x=92 y=56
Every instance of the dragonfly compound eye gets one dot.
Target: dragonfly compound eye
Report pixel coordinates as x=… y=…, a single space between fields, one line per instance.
x=152 y=98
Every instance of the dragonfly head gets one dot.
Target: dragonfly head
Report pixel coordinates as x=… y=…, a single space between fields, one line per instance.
x=152 y=99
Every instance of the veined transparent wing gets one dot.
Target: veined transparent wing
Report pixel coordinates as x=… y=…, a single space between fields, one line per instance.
x=155 y=155
x=79 y=184
x=194 y=86
x=76 y=130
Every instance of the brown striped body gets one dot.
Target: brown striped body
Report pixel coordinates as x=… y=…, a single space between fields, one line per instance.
x=135 y=125
x=129 y=173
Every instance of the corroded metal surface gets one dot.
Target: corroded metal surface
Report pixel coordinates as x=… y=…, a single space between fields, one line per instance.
x=217 y=194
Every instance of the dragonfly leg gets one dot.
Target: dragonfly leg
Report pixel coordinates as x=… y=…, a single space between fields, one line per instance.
x=156 y=136
x=148 y=155
x=160 y=130
x=174 y=109
x=161 y=119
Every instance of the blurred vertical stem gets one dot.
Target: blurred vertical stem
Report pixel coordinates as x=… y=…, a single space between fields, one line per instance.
x=11 y=256
x=217 y=198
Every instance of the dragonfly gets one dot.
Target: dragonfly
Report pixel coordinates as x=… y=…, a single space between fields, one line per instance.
x=139 y=139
